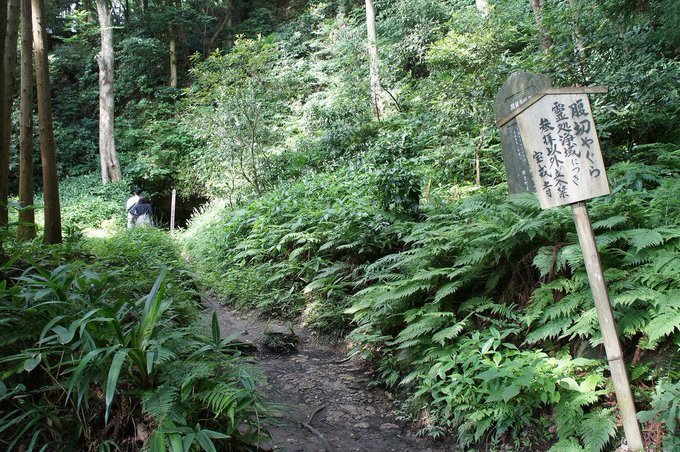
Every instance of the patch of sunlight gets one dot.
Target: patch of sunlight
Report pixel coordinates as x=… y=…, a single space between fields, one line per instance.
x=106 y=229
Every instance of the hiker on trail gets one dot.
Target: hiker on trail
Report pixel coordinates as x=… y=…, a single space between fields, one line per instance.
x=142 y=212
x=132 y=202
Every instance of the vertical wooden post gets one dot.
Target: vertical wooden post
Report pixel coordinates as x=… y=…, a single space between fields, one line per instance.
x=624 y=397
x=172 y=210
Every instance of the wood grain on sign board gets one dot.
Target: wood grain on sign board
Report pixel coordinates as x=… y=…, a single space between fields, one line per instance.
x=519 y=88
x=563 y=150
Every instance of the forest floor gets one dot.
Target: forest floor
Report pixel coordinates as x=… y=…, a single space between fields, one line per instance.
x=326 y=402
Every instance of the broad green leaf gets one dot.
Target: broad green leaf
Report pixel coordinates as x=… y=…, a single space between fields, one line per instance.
x=510 y=392
x=112 y=380
x=32 y=362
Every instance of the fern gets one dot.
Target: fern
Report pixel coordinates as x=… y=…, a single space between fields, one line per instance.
x=417 y=329
x=597 y=429
x=550 y=330
x=643 y=238
x=567 y=445
x=160 y=402
x=610 y=223
x=221 y=397
x=450 y=332
x=666 y=322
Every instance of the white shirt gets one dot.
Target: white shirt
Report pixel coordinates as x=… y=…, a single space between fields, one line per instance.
x=131 y=202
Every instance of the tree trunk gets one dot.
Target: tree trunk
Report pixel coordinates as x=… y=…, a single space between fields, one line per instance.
x=108 y=157
x=47 y=150
x=483 y=7
x=543 y=35
x=173 y=56
x=9 y=61
x=578 y=33
x=226 y=21
x=373 y=59
x=26 y=229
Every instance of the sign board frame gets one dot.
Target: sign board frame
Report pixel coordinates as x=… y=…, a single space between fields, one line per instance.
x=591 y=257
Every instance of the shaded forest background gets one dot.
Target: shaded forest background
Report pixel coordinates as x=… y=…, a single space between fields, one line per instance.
x=391 y=230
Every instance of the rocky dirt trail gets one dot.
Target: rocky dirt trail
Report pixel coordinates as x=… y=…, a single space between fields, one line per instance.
x=327 y=404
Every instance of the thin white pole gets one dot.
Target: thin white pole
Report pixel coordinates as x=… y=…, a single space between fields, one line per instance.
x=612 y=346
x=172 y=210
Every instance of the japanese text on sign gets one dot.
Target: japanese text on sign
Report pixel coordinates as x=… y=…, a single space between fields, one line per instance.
x=563 y=150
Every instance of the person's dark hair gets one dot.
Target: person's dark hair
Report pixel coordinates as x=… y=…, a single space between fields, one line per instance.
x=144 y=200
x=137 y=191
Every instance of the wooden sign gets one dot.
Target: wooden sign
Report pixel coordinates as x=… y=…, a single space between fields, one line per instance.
x=563 y=150
x=518 y=89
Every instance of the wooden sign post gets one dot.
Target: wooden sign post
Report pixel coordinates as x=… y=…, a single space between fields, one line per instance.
x=563 y=154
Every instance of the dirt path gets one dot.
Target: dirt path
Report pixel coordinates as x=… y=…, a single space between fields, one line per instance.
x=317 y=379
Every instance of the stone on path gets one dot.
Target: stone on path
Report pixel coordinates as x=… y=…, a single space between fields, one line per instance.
x=279 y=338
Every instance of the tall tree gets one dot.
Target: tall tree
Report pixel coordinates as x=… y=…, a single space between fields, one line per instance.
x=173 y=55
x=47 y=150
x=108 y=157
x=482 y=7
x=175 y=33
x=26 y=229
x=225 y=21
x=373 y=59
x=9 y=60
x=3 y=30
x=543 y=36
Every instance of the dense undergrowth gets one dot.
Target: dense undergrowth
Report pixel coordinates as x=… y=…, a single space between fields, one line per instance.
x=108 y=352
x=479 y=308
x=473 y=304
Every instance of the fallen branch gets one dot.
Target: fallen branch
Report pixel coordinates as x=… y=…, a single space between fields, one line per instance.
x=340 y=361
x=317 y=433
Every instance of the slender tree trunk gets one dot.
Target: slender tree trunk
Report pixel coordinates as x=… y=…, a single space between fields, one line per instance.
x=373 y=59
x=26 y=229
x=579 y=40
x=483 y=7
x=226 y=21
x=47 y=150
x=3 y=31
x=9 y=62
x=543 y=35
x=180 y=36
x=478 y=153
x=173 y=56
x=108 y=157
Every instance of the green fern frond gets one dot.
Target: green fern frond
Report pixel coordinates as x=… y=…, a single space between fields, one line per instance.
x=220 y=397
x=473 y=257
x=418 y=329
x=570 y=444
x=563 y=308
x=159 y=403
x=450 y=332
x=610 y=223
x=586 y=326
x=403 y=292
x=631 y=296
x=597 y=429
x=446 y=290
x=664 y=324
x=550 y=330
x=632 y=322
x=643 y=238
